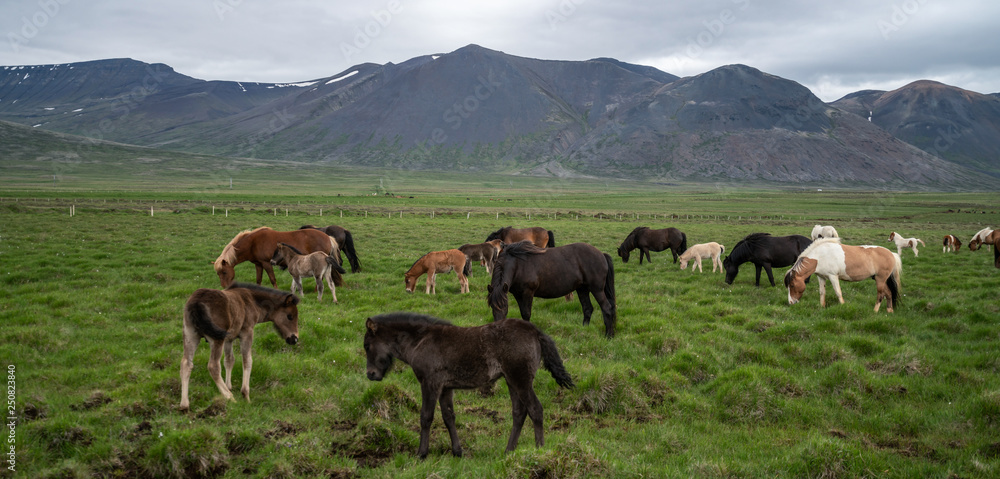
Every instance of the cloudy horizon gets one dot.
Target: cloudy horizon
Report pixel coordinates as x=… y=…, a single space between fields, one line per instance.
x=832 y=49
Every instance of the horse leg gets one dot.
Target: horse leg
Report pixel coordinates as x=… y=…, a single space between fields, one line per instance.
x=463 y=281
x=191 y=341
x=230 y=361
x=518 y=412
x=835 y=281
x=822 y=290
x=260 y=272
x=607 y=312
x=757 y=281
x=329 y=282
x=270 y=275
x=214 y=357
x=431 y=286
x=246 y=343
x=429 y=397
x=319 y=286
x=588 y=307
x=297 y=285
x=524 y=302
x=448 y=415
x=697 y=263
x=770 y=276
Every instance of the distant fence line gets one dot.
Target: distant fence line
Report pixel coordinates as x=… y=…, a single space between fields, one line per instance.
x=72 y=207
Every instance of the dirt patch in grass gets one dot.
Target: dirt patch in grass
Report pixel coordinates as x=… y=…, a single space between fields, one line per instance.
x=490 y=414
x=96 y=400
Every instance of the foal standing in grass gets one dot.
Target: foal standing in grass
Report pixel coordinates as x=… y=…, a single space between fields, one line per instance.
x=317 y=264
x=223 y=316
x=446 y=357
x=701 y=251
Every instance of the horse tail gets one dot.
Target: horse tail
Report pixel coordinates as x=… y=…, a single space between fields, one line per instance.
x=467 y=268
x=609 y=291
x=894 y=281
x=996 y=256
x=198 y=314
x=684 y=242
x=337 y=271
x=552 y=362
x=352 y=255
x=552 y=240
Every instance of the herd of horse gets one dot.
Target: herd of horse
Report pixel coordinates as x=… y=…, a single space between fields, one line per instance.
x=524 y=263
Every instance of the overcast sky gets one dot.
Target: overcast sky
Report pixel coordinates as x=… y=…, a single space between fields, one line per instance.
x=833 y=48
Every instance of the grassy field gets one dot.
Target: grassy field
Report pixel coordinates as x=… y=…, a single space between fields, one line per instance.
x=703 y=379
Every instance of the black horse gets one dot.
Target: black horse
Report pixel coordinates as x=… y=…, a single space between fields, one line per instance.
x=653 y=240
x=446 y=357
x=345 y=241
x=764 y=251
x=525 y=271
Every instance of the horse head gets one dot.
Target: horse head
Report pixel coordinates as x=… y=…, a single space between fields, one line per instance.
x=732 y=269
x=377 y=350
x=795 y=278
x=410 y=282
x=226 y=272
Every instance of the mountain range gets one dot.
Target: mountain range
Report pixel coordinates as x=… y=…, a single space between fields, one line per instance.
x=478 y=109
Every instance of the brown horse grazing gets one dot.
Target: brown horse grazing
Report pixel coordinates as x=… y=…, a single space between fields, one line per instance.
x=438 y=262
x=224 y=316
x=985 y=236
x=257 y=246
x=486 y=253
x=827 y=258
x=647 y=240
x=526 y=271
x=317 y=264
x=541 y=237
x=446 y=357
x=951 y=243
x=345 y=241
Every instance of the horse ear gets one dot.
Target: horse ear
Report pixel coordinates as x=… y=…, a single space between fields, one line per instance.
x=291 y=300
x=371 y=325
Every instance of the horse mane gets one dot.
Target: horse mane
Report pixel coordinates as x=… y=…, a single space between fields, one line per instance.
x=815 y=244
x=742 y=248
x=229 y=252
x=294 y=249
x=498 y=233
x=408 y=319
x=629 y=243
x=274 y=293
x=419 y=260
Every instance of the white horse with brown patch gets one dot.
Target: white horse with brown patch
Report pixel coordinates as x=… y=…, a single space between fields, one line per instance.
x=820 y=231
x=829 y=259
x=902 y=242
x=951 y=243
x=701 y=251
x=982 y=237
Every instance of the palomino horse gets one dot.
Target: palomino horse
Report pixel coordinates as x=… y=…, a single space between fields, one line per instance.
x=257 y=246
x=701 y=251
x=317 y=264
x=345 y=241
x=827 y=258
x=765 y=252
x=526 y=271
x=820 y=231
x=541 y=237
x=486 y=253
x=982 y=237
x=647 y=240
x=446 y=357
x=902 y=242
x=439 y=262
x=951 y=243
x=221 y=317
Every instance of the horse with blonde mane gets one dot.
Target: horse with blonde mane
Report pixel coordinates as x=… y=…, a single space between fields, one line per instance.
x=829 y=259
x=701 y=251
x=257 y=246
x=982 y=237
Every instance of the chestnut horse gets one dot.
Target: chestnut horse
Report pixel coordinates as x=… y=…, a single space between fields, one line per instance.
x=541 y=237
x=647 y=240
x=446 y=357
x=829 y=259
x=438 y=262
x=345 y=241
x=525 y=271
x=221 y=317
x=951 y=243
x=257 y=246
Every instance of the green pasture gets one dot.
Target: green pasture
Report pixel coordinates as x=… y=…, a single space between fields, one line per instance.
x=703 y=379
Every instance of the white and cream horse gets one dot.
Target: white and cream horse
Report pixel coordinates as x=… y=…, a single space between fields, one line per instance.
x=820 y=231
x=982 y=237
x=902 y=242
x=829 y=259
x=700 y=251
